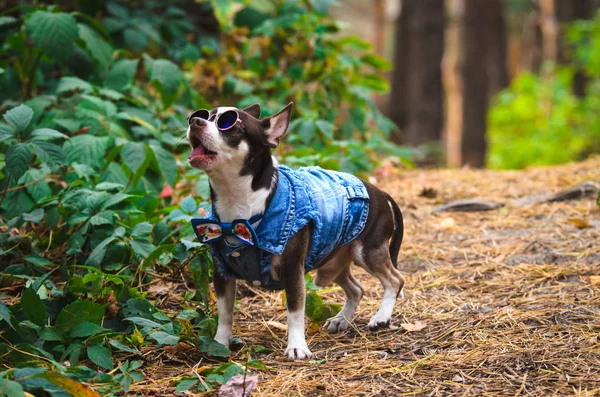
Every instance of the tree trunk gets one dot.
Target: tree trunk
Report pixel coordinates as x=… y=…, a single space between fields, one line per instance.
x=497 y=56
x=477 y=19
x=531 y=48
x=417 y=100
x=568 y=11
x=399 y=92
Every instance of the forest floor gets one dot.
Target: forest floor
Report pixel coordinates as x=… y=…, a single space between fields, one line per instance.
x=498 y=303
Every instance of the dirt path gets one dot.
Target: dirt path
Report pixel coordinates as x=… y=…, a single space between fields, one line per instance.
x=510 y=298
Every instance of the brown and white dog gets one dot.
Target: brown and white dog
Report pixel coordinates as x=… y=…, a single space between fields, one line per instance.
x=236 y=156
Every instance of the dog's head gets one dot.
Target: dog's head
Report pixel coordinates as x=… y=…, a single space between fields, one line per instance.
x=226 y=135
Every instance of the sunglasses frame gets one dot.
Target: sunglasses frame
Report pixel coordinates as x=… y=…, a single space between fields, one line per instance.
x=216 y=121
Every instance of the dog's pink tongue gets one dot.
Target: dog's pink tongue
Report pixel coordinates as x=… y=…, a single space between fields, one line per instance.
x=198 y=151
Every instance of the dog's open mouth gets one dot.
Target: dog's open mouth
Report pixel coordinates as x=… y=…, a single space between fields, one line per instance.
x=200 y=154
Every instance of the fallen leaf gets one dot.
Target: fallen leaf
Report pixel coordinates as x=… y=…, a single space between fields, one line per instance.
x=68 y=384
x=160 y=289
x=238 y=386
x=579 y=223
x=447 y=223
x=314 y=328
x=413 y=327
x=595 y=280
x=277 y=324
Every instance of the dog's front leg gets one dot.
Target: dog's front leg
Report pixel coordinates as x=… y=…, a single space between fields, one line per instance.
x=225 y=290
x=292 y=275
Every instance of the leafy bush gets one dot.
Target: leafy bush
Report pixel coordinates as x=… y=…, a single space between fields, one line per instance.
x=95 y=195
x=292 y=51
x=538 y=120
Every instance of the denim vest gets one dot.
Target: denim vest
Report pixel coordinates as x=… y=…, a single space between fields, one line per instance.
x=336 y=203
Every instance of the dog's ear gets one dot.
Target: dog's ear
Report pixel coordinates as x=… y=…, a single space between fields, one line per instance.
x=253 y=110
x=276 y=126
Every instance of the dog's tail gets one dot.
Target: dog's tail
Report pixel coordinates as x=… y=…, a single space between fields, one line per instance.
x=398 y=230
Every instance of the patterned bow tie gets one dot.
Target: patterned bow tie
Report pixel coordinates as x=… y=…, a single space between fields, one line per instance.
x=208 y=230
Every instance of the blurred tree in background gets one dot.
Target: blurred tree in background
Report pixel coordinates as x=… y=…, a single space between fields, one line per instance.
x=488 y=44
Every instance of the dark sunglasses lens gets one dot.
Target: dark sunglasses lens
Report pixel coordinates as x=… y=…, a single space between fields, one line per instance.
x=227 y=119
x=201 y=114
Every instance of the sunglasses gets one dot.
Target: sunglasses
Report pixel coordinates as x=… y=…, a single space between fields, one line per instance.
x=225 y=121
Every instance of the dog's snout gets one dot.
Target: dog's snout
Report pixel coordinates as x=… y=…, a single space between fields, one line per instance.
x=197 y=122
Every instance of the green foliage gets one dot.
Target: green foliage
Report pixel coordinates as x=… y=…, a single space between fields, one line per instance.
x=539 y=121
x=94 y=100
x=293 y=51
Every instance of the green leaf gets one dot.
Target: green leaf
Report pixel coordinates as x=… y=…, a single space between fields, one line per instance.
x=19 y=117
x=48 y=152
x=37 y=260
x=223 y=10
x=142 y=247
x=325 y=127
x=211 y=347
x=10 y=388
x=5 y=315
x=161 y=249
x=133 y=155
x=307 y=131
x=33 y=307
x=121 y=75
x=68 y=84
x=86 y=329
x=51 y=334
x=18 y=159
x=6 y=133
x=54 y=33
x=79 y=312
x=7 y=20
x=121 y=346
x=185 y=384
x=166 y=76
x=48 y=134
x=189 y=205
x=134 y=39
x=144 y=322
x=101 y=356
x=97 y=255
x=99 y=49
x=162 y=338
x=102 y=218
x=376 y=83
x=166 y=163
x=87 y=149
x=203 y=187
x=141 y=230
x=115 y=199
x=34 y=216
x=377 y=62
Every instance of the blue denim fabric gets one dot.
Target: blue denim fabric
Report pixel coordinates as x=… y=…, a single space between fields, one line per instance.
x=336 y=203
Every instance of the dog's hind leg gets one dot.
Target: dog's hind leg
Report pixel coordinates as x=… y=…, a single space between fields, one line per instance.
x=354 y=293
x=378 y=262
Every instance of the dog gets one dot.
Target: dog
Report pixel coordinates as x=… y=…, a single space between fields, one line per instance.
x=270 y=224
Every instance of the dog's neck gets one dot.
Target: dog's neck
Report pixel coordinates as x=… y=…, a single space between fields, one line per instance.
x=236 y=195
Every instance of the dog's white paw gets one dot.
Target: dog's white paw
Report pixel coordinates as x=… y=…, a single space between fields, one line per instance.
x=298 y=352
x=336 y=324
x=379 y=321
x=223 y=338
